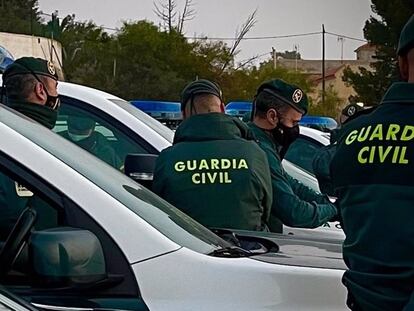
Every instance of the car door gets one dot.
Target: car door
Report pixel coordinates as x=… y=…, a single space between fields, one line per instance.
x=53 y=210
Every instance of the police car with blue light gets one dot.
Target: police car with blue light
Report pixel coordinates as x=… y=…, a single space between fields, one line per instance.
x=107 y=243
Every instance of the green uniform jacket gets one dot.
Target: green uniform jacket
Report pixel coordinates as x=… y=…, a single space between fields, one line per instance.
x=293 y=203
x=373 y=176
x=216 y=174
x=322 y=162
x=98 y=145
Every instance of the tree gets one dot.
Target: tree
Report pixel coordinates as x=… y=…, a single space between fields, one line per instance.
x=20 y=16
x=244 y=82
x=167 y=11
x=240 y=34
x=87 y=53
x=331 y=106
x=289 y=55
x=383 y=32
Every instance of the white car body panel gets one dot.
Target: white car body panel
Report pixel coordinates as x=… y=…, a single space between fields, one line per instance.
x=317 y=135
x=118 y=221
x=254 y=285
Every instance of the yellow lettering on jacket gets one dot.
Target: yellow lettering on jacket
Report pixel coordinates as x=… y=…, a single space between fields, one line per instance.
x=383 y=154
x=211 y=171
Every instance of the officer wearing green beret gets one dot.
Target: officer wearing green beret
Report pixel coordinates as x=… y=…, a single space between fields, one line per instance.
x=30 y=87
x=81 y=131
x=214 y=171
x=372 y=172
x=277 y=110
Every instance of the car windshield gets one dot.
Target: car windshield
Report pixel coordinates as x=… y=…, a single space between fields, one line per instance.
x=157 y=126
x=167 y=219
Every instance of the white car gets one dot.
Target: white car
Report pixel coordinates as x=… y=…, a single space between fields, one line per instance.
x=132 y=131
x=117 y=118
x=93 y=239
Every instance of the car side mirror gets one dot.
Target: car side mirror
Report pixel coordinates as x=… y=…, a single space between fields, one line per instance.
x=140 y=167
x=67 y=257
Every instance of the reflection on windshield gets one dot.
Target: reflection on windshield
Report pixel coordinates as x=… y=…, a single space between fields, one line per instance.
x=157 y=126
x=165 y=218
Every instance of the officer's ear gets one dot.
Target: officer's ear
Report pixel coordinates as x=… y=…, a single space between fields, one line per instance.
x=222 y=107
x=40 y=92
x=404 y=67
x=272 y=117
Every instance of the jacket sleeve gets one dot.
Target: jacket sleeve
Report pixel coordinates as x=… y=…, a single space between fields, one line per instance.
x=321 y=168
x=264 y=183
x=303 y=192
x=293 y=203
x=158 y=182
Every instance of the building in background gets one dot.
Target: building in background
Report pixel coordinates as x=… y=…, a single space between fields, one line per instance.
x=19 y=45
x=334 y=69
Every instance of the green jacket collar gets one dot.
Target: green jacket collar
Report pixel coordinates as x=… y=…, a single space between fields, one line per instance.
x=262 y=136
x=399 y=92
x=211 y=126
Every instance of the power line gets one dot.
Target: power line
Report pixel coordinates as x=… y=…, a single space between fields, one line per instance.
x=256 y=38
x=347 y=37
x=245 y=38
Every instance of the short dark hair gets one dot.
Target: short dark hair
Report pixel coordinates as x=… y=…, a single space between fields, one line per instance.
x=20 y=86
x=265 y=101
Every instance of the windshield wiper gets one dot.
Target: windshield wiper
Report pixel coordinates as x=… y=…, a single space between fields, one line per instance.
x=231 y=252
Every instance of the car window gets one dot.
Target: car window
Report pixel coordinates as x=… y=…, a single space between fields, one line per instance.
x=157 y=126
x=302 y=151
x=106 y=141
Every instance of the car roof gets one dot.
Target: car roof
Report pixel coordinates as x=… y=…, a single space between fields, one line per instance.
x=148 y=128
x=317 y=135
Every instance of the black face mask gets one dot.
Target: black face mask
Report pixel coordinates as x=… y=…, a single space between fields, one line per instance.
x=52 y=102
x=285 y=136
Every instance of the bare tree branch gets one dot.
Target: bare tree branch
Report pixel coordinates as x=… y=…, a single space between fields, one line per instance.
x=247 y=62
x=166 y=12
x=187 y=15
x=240 y=34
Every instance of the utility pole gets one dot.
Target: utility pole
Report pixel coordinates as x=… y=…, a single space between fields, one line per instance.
x=31 y=22
x=114 y=69
x=342 y=40
x=296 y=49
x=323 y=64
x=54 y=17
x=274 y=58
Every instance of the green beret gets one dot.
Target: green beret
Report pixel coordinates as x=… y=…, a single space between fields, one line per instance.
x=31 y=65
x=287 y=93
x=198 y=87
x=406 y=37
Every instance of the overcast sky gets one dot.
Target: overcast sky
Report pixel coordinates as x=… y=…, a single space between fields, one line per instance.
x=221 y=18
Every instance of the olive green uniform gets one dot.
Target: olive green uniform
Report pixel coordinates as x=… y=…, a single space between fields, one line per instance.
x=98 y=145
x=293 y=203
x=321 y=164
x=373 y=175
x=216 y=174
